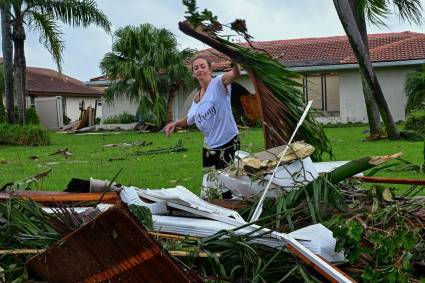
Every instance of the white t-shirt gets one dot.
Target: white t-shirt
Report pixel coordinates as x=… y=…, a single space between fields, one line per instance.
x=213 y=114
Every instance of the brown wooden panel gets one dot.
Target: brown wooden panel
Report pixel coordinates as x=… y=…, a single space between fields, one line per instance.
x=54 y=197
x=113 y=247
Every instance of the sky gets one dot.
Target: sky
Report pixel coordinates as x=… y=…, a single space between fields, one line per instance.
x=265 y=19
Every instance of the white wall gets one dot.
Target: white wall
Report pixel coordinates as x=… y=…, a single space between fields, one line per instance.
x=118 y=106
x=352 y=103
x=72 y=109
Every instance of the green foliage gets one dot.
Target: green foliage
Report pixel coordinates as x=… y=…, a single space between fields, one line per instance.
x=123 y=118
x=22 y=225
x=31 y=116
x=194 y=16
x=143 y=214
x=152 y=110
x=145 y=61
x=377 y=10
x=416 y=122
x=3 y=117
x=42 y=16
x=23 y=135
x=278 y=79
x=349 y=234
x=415 y=90
x=390 y=249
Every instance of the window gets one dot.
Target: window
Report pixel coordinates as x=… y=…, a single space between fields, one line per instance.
x=323 y=90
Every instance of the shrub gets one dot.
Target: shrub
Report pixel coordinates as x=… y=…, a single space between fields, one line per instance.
x=31 y=116
x=416 y=122
x=123 y=118
x=23 y=135
x=3 y=116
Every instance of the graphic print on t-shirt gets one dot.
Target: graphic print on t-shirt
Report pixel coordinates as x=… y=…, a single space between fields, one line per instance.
x=206 y=114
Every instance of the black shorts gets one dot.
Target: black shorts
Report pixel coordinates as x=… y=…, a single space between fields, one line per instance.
x=222 y=156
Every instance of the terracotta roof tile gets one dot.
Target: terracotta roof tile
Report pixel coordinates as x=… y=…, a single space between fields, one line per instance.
x=412 y=48
x=333 y=50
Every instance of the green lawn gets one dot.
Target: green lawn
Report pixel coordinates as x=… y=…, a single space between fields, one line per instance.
x=91 y=159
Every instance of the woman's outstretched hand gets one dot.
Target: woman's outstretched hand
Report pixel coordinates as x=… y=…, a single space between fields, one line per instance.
x=169 y=128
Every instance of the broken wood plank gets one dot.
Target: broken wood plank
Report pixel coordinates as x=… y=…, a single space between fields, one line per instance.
x=388 y=180
x=113 y=247
x=54 y=197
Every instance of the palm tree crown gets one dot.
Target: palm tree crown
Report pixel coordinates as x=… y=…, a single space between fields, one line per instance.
x=145 y=60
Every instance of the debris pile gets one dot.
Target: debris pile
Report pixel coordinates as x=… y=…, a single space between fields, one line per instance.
x=324 y=227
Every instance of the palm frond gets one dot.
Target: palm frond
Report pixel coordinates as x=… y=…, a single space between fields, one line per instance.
x=409 y=10
x=374 y=10
x=73 y=12
x=415 y=90
x=50 y=35
x=282 y=102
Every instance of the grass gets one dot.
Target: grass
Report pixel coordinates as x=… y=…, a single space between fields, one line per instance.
x=91 y=159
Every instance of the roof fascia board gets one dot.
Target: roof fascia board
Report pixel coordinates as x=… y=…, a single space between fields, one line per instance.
x=306 y=69
x=356 y=66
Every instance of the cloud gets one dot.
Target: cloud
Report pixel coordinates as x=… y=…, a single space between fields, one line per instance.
x=266 y=20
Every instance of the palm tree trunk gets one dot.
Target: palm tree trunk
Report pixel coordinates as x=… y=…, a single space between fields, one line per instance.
x=360 y=51
x=372 y=109
x=171 y=95
x=7 y=48
x=19 y=63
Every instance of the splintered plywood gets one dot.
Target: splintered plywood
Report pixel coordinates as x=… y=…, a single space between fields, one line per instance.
x=113 y=247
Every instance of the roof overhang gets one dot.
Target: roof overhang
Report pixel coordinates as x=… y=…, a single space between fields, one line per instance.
x=66 y=94
x=302 y=69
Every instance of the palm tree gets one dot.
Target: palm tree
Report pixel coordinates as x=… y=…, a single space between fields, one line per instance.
x=43 y=16
x=353 y=14
x=415 y=90
x=144 y=65
x=7 y=47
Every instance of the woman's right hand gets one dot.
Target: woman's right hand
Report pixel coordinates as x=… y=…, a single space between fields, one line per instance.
x=169 y=128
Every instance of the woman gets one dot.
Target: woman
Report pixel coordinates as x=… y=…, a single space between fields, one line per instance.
x=211 y=111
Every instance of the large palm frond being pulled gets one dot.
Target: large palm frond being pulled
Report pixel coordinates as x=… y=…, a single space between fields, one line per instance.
x=282 y=102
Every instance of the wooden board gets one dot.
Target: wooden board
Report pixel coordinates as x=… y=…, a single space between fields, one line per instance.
x=113 y=247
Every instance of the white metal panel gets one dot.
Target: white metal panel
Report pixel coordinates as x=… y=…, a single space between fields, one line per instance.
x=49 y=110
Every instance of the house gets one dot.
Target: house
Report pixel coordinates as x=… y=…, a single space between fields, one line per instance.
x=330 y=74
x=41 y=82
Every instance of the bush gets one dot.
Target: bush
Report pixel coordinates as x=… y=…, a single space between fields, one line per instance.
x=23 y=135
x=3 y=116
x=414 y=126
x=124 y=118
x=31 y=116
x=416 y=122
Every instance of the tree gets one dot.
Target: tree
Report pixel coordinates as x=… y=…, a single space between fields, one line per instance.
x=415 y=90
x=43 y=16
x=7 y=47
x=352 y=14
x=372 y=109
x=145 y=65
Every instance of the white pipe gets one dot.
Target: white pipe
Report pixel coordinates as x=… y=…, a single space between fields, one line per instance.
x=259 y=208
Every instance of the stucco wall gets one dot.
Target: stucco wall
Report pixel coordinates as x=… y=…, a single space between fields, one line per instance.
x=118 y=106
x=392 y=81
x=72 y=109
